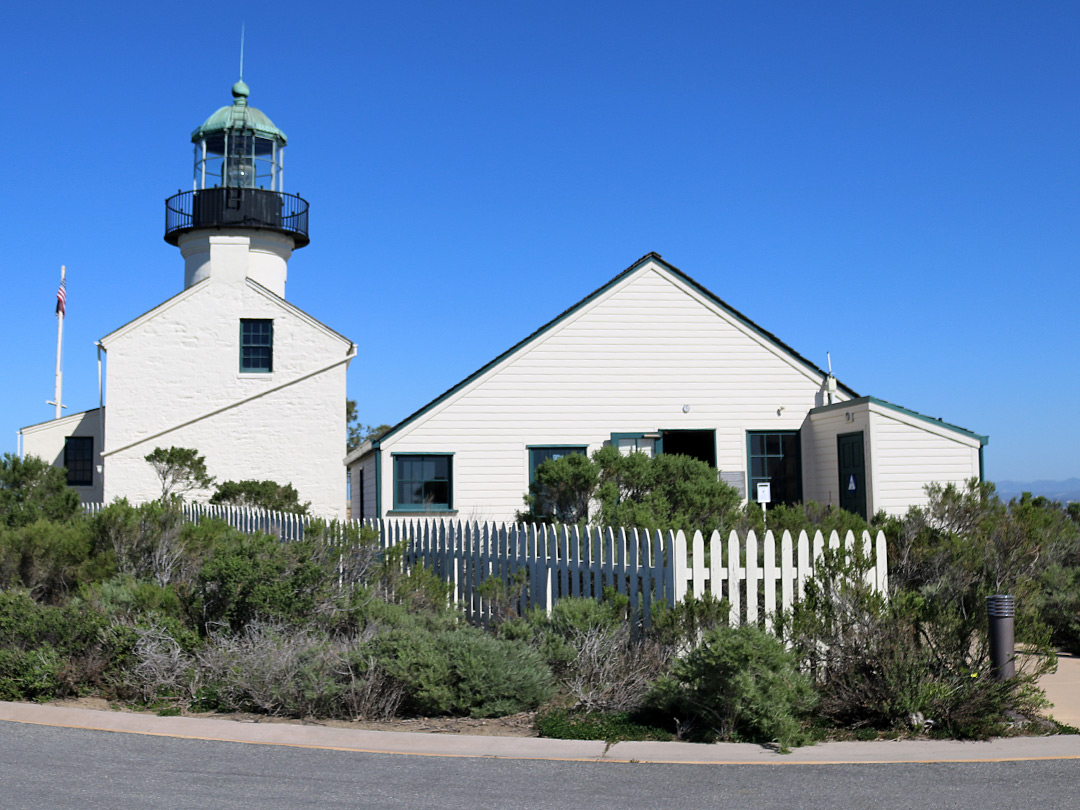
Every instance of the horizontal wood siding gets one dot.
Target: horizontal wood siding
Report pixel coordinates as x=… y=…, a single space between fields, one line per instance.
x=627 y=362
x=367 y=496
x=908 y=456
x=821 y=475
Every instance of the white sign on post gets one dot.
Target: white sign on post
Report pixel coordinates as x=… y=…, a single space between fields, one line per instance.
x=764 y=496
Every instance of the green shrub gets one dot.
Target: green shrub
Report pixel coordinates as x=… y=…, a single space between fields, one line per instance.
x=30 y=674
x=663 y=492
x=55 y=651
x=602 y=662
x=810 y=517
x=251 y=577
x=611 y=728
x=463 y=672
x=659 y=492
x=260 y=495
x=741 y=685
x=555 y=634
x=47 y=557
x=1058 y=604
x=912 y=662
x=31 y=489
x=561 y=490
x=682 y=626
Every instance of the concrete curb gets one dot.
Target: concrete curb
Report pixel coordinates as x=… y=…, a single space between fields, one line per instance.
x=435 y=745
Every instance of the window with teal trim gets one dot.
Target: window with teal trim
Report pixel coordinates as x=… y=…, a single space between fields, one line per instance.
x=775 y=457
x=538 y=455
x=256 y=345
x=423 y=482
x=545 y=507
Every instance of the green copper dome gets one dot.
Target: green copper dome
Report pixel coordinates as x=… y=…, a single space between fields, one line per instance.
x=239 y=116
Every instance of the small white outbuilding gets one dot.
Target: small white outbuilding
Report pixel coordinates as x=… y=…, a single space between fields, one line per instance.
x=653 y=362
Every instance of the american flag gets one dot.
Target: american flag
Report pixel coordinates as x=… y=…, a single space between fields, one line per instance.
x=61 y=298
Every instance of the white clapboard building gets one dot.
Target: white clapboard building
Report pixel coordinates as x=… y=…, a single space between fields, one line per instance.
x=654 y=362
x=227 y=366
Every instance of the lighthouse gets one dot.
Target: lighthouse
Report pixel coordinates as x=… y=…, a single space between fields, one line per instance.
x=226 y=366
x=237 y=219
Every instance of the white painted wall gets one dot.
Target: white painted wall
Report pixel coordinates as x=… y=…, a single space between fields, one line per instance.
x=821 y=472
x=262 y=256
x=903 y=452
x=174 y=380
x=46 y=441
x=910 y=453
x=626 y=362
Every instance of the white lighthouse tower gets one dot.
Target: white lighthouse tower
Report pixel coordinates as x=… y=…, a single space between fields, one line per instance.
x=237 y=219
x=227 y=366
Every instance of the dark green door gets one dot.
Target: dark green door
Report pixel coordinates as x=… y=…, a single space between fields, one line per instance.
x=849 y=452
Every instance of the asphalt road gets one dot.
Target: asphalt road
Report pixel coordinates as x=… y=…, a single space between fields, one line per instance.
x=48 y=767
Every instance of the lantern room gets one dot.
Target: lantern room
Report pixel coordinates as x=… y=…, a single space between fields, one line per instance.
x=239 y=147
x=239 y=178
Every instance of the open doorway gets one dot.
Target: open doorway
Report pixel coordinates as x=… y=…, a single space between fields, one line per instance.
x=699 y=444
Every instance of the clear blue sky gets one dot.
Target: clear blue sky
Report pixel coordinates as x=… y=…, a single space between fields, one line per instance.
x=897 y=184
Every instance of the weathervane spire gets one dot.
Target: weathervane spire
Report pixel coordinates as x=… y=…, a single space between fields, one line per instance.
x=241 y=51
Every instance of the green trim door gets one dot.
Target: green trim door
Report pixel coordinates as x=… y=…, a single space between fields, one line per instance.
x=852 y=463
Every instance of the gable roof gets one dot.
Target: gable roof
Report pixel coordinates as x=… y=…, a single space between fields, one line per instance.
x=633 y=268
x=67 y=419
x=255 y=286
x=939 y=422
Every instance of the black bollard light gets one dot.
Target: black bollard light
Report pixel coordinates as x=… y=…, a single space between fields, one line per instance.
x=1000 y=611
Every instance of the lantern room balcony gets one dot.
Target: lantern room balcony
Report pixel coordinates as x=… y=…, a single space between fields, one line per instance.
x=230 y=207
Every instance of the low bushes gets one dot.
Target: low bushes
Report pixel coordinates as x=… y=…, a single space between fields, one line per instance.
x=48 y=652
x=589 y=646
x=133 y=604
x=464 y=672
x=740 y=684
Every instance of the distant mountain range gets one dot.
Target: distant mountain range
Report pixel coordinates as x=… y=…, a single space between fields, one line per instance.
x=1064 y=491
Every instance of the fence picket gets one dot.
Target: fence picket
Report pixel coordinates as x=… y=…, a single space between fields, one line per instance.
x=804 y=561
x=787 y=570
x=699 y=570
x=734 y=578
x=751 y=577
x=634 y=571
x=770 y=580
x=716 y=567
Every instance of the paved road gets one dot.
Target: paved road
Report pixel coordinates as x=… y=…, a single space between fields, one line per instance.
x=80 y=769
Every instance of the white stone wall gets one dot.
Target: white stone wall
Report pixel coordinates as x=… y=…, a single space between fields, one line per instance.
x=174 y=380
x=46 y=441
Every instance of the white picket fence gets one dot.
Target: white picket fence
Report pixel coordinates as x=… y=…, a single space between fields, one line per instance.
x=537 y=565
x=756 y=577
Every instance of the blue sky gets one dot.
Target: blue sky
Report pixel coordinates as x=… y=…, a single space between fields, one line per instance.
x=897 y=184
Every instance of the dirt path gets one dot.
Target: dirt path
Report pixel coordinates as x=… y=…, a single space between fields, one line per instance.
x=516 y=725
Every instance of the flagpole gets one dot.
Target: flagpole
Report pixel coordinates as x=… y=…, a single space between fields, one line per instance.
x=61 y=305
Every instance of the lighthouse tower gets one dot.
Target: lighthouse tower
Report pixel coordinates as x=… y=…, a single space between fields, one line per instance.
x=238 y=220
x=227 y=366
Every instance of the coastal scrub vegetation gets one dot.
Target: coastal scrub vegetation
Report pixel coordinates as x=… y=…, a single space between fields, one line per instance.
x=134 y=604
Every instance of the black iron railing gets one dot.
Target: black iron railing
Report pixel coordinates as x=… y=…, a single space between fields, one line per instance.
x=236 y=208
